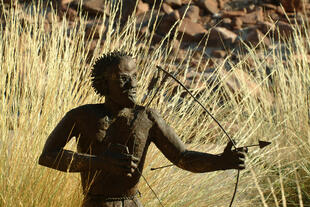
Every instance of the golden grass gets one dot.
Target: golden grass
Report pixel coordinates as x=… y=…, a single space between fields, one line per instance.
x=43 y=75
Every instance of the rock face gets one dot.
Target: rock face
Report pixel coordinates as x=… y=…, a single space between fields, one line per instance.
x=221 y=25
x=292 y=5
x=221 y=37
x=211 y=6
x=191 y=31
x=217 y=19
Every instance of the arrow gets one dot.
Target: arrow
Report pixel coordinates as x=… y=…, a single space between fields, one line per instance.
x=261 y=145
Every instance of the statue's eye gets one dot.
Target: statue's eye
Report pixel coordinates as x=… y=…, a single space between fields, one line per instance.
x=124 y=78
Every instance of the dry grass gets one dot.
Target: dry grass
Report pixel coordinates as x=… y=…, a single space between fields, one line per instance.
x=44 y=75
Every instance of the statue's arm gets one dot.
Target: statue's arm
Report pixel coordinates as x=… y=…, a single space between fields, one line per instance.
x=53 y=154
x=173 y=148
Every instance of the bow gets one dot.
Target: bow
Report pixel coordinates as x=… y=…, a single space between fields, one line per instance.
x=261 y=144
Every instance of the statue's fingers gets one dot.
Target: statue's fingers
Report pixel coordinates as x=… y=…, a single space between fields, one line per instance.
x=128 y=175
x=228 y=146
x=245 y=149
x=135 y=159
x=241 y=166
x=133 y=164
x=127 y=171
x=241 y=154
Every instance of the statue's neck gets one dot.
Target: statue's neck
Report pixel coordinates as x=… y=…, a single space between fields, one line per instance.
x=112 y=107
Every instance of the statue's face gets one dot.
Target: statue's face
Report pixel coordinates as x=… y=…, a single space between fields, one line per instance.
x=122 y=85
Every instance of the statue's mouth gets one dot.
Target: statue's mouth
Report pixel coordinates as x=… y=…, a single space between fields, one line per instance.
x=131 y=92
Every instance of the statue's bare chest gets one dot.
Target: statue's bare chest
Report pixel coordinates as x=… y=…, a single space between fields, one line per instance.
x=129 y=128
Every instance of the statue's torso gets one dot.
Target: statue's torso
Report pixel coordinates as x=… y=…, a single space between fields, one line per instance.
x=100 y=132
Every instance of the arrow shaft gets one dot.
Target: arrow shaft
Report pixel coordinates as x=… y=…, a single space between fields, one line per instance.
x=248 y=146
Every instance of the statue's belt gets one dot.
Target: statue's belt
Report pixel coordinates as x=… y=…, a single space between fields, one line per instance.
x=110 y=199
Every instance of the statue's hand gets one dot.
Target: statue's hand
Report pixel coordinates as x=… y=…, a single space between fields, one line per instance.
x=120 y=163
x=233 y=159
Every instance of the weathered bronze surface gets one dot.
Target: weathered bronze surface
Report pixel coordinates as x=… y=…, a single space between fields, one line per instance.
x=113 y=139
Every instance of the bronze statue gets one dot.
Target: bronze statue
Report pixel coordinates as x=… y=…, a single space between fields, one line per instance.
x=113 y=139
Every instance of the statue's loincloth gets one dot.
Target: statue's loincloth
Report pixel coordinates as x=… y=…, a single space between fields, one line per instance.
x=102 y=201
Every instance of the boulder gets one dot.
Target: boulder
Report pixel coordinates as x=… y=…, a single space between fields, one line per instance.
x=266 y=27
x=218 y=53
x=241 y=84
x=92 y=7
x=231 y=14
x=94 y=29
x=221 y=3
x=63 y=2
x=192 y=12
x=67 y=12
x=191 y=31
x=142 y=8
x=167 y=21
x=211 y=6
x=255 y=36
x=283 y=30
x=166 y=8
x=237 y=23
x=292 y=5
x=174 y=2
x=253 y=17
x=220 y=36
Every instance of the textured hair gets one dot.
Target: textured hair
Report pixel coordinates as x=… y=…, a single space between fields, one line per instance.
x=103 y=68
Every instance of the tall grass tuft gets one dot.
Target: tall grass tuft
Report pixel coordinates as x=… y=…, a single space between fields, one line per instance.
x=43 y=75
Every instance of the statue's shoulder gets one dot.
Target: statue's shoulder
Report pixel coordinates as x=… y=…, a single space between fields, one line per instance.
x=87 y=110
x=153 y=114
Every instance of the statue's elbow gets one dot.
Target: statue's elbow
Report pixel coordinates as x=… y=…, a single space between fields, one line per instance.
x=44 y=160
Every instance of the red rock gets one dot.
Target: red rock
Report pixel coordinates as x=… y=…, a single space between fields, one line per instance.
x=241 y=84
x=63 y=2
x=266 y=27
x=222 y=3
x=156 y=38
x=210 y=6
x=142 y=8
x=174 y=2
x=219 y=36
x=273 y=15
x=92 y=7
x=270 y=6
x=219 y=53
x=94 y=30
x=167 y=22
x=227 y=20
x=69 y=13
x=167 y=8
x=192 y=12
x=292 y=5
x=237 y=23
x=253 y=17
x=95 y=6
x=143 y=32
x=283 y=29
x=231 y=14
x=255 y=36
x=191 y=31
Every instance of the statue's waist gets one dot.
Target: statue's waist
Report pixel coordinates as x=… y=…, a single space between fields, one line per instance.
x=109 y=198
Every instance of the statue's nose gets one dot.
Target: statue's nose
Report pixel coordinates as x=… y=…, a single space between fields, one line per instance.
x=133 y=82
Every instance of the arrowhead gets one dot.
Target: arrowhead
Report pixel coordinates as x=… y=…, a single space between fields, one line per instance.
x=263 y=144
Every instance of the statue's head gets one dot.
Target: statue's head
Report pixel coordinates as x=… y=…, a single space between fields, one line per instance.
x=114 y=76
